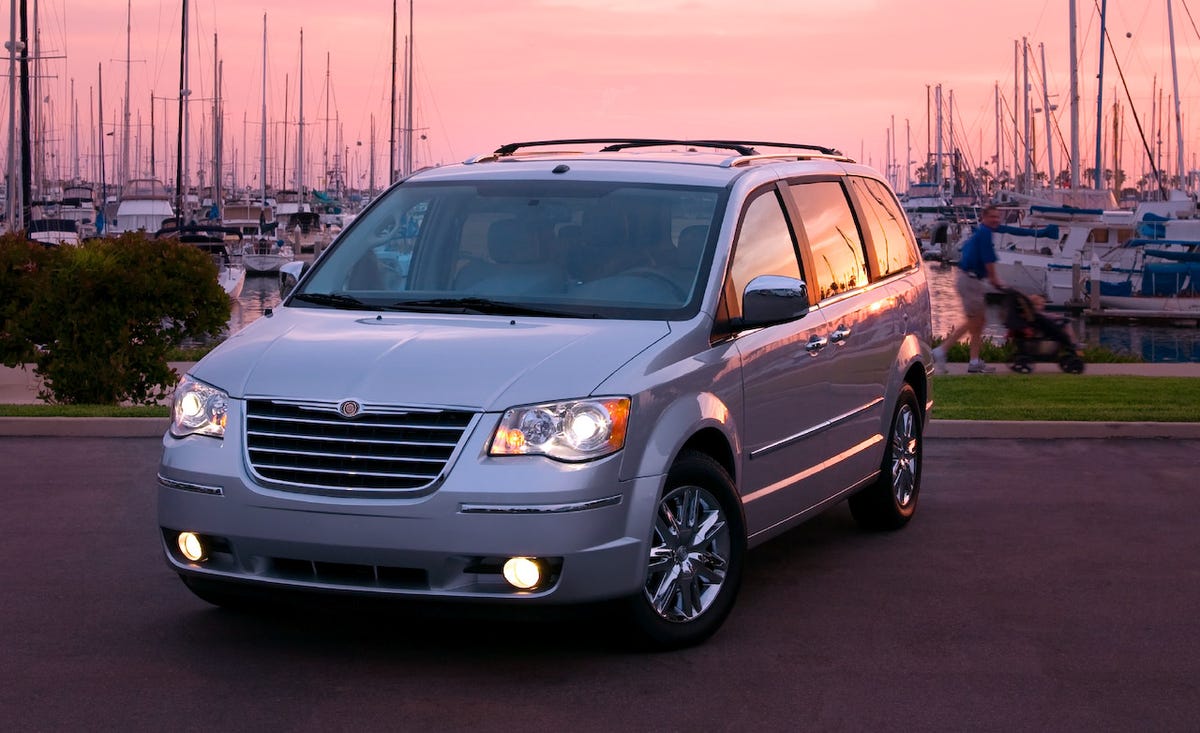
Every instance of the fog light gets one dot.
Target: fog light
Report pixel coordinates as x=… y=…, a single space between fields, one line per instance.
x=191 y=546
x=522 y=572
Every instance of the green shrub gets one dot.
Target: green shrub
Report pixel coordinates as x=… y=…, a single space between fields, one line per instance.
x=104 y=316
x=1001 y=353
x=21 y=263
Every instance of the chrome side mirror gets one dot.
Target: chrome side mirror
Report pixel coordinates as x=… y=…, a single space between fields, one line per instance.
x=289 y=275
x=770 y=299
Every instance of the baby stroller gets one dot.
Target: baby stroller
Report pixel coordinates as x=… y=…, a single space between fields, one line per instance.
x=1037 y=337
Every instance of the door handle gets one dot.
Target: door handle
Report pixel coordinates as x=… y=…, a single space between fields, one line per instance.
x=815 y=344
x=840 y=335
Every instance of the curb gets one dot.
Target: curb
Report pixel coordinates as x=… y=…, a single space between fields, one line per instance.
x=1058 y=430
x=155 y=427
x=83 y=427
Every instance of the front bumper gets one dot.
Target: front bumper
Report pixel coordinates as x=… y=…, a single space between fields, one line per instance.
x=592 y=528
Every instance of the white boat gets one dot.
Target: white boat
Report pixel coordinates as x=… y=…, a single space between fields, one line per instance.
x=226 y=255
x=261 y=255
x=1166 y=281
x=1051 y=245
x=144 y=205
x=52 y=232
x=79 y=204
x=251 y=218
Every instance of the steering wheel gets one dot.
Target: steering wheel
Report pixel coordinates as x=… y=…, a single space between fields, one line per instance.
x=649 y=273
x=387 y=228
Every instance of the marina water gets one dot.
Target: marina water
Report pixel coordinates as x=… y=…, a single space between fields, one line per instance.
x=1151 y=343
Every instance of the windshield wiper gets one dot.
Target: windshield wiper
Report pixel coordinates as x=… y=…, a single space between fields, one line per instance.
x=337 y=300
x=483 y=305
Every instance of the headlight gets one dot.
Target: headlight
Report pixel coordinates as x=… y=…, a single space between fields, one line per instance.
x=198 y=408
x=578 y=430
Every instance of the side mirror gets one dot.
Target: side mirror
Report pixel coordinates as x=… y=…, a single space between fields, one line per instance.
x=289 y=275
x=770 y=299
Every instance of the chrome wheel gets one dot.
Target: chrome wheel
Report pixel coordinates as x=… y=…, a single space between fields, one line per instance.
x=890 y=501
x=905 y=455
x=689 y=554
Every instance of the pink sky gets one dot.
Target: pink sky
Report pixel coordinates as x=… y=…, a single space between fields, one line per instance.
x=830 y=72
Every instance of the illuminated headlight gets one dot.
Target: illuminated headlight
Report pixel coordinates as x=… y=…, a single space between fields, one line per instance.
x=198 y=408
x=578 y=430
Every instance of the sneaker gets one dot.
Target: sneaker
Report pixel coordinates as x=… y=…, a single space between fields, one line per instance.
x=939 y=359
x=978 y=367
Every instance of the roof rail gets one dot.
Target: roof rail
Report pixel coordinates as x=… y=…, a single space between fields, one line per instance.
x=747 y=159
x=742 y=147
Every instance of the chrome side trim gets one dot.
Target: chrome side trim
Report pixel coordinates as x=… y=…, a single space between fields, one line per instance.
x=814 y=469
x=184 y=486
x=579 y=506
x=814 y=429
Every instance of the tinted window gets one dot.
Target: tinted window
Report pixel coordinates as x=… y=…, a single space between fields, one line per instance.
x=764 y=246
x=571 y=248
x=838 y=257
x=890 y=247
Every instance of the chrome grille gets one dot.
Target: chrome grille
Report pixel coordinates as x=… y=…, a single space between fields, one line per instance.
x=310 y=446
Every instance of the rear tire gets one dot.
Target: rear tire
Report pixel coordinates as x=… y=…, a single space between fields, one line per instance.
x=891 y=501
x=697 y=549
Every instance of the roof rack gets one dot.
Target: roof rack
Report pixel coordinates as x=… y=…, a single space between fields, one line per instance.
x=744 y=148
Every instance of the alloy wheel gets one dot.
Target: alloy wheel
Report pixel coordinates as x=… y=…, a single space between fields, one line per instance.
x=689 y=556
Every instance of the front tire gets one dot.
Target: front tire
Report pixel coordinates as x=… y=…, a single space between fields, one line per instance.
x=891 y=501
x=697 y=550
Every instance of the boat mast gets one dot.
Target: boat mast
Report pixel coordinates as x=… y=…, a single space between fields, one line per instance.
x=999 y=118
x=1099 y=182
x=937 y=160
x=1025 y=117
x=26 y=174
x=37 y=120
x=392 y=124
x=128 y=61
x=1046 y=109
x=262 y=173
x=408 y=97
x=180 y=140
x=286 y=93
x=100 y=135
x=216 y=117
x=1178 y=114
x=300 y=133
x=13 y=208
x=1074 y=101
x=1016 y=139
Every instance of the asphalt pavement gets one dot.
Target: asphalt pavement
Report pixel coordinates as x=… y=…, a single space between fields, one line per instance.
x=1042 y=586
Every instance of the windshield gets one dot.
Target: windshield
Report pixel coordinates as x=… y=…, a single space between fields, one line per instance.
x=553 y=248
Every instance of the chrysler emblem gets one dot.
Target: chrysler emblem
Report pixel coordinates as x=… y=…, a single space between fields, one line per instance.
x=349 y=408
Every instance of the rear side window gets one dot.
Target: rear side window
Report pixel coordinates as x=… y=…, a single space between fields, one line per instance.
x=839 y=260
x=890 y=247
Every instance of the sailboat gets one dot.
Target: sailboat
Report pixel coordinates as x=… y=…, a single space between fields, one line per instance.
x=262 y=252
x=212 y=239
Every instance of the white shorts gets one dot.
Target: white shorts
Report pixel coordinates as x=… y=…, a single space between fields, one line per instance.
x=973 y=293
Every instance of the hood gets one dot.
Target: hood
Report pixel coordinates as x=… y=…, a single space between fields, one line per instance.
x=477 y=362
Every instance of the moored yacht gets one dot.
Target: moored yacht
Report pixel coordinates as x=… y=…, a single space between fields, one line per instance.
x=144 y=205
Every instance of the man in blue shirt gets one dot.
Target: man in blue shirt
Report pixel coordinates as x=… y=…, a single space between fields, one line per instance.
x=976 y=264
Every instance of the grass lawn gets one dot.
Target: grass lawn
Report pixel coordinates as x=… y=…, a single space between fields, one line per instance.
x=1066 y=397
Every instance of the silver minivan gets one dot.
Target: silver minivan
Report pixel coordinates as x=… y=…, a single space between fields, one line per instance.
x=567 y=371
